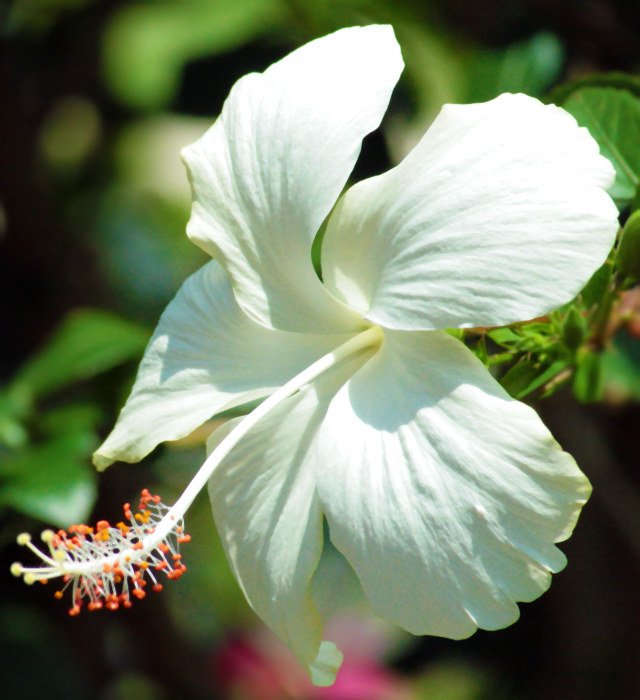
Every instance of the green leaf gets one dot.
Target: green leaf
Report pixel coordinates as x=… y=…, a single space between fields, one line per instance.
x=595 y=288
x=529 y=375
x=620 y=81
x=520 y=376
x=88 y=342
x=53 y=481
x=613 y=119
x=504 y=337
x=556 y=367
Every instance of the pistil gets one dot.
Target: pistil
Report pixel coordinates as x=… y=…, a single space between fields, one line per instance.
x=107 y=565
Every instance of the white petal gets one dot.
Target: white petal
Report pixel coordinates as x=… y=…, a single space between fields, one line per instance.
x=445 y=495
x=271 y=168
x=206 y=355
x=268 y=515
x=498 y=215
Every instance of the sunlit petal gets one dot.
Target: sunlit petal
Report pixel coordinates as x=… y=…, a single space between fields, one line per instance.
x=268 y=514
x=445 y=495
x=206 y=355
x=499 y=215
x=271 y=168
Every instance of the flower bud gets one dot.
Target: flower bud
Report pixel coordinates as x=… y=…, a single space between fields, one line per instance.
x=574 y=329
x=628 y=256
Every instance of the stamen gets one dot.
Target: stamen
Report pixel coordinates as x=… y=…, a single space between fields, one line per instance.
x=107 y=565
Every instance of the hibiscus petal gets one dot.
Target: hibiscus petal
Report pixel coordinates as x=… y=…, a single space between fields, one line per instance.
x=206 y=355
x=498 y=215
x=268 y=514
x=445 y=495
x=268 y=172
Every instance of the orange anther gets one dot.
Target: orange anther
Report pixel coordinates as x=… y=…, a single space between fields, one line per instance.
x=117 y=579
x=127 y=559
x=157 y=587
x=106 y=568
x=150 y=530
x=145 y=493
x=124 y=528
x=44 y=580
x=156 y=499
x=143 y=565
x=58 y=594
x=139 y=593
x=66 y=578
x=161 y=565
x=177 y=565
x=137 y=545
x=175 y=557
x=102 y=525
x=127 y=603
x=164 y=548
x=179 y=529
x=75 y=610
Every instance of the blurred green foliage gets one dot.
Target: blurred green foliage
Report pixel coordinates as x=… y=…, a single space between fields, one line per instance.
x=147 y=45
x=45 y=450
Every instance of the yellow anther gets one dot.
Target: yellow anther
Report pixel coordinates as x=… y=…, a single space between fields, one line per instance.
x=59 y=555
x=23 y=538
x=16 y=569
x=47 y=536
x=29 y=579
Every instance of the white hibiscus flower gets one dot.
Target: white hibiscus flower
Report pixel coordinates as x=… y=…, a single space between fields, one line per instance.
x=445 y=495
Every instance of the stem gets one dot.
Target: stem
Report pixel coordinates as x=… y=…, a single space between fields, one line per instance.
x=602 y=314
x=500 y=357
